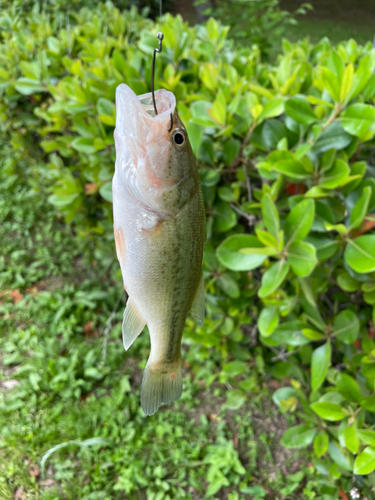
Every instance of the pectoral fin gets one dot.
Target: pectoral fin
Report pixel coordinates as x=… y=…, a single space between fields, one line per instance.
x=197 y=308
x=132 y=324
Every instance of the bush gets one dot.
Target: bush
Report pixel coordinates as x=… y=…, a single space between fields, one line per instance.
x=61 y=9
x=262 y=22
x=285 y=154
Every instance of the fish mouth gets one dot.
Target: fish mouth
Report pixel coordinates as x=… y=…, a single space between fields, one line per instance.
x=128 y=103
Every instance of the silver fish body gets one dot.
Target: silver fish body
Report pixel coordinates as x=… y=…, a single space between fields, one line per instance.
x=159 y=226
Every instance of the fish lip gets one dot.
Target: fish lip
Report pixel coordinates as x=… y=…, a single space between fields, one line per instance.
x=144 y=105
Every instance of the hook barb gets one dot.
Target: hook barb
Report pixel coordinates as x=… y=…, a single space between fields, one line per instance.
x=160 y=37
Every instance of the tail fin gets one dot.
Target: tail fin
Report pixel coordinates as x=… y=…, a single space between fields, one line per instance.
x=161 y=384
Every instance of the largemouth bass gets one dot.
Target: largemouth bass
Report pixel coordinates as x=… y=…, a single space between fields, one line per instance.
x=159 y=226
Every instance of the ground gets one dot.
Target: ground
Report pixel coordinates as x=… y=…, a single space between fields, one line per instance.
x=70 y=416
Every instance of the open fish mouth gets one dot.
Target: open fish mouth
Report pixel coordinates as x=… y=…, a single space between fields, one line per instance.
x=127 y=103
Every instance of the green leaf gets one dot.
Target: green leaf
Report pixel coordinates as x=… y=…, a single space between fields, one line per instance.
x=360 y=253
x=31 y=70
x=360 y=208
x=365 y=461
x=274 y=107
x=346 y=82
x=299 y=436
x=106 y=111
x=299 y=221
x=28 y=86
x=367 y=436
x=273 y=278
x=347 y=283
x=320 y=362
x=351 y=438
x=235 y=400
x=301 y=257
x=340 y=457
x=289 y=333
x=268 y=320
x=331 y=83
x=368 y=404
x=105 y=107
x=270 y=215
x=358 y=118
x=84 y=145
x=229 y=255
x=105 y=191
x=291 y=168
x=348 y=387
x=266 y=238
x=283 y=394
x=346 y=326
x=231 y=149
x=195 y=133
x=299 y=109
x=229 y=285
x=329 y=411
x=334 y=137
x=362 y=74
x=224 y=217
x=335 y=176
x=321 y=444
x=273 y=131
x=311 y=334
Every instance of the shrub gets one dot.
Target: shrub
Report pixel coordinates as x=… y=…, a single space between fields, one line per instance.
x=285 y=154
x=262 y=22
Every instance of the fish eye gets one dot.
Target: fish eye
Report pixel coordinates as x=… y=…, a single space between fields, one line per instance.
x=178 y=138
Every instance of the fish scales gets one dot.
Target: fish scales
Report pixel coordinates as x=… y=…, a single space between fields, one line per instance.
x=159 y=225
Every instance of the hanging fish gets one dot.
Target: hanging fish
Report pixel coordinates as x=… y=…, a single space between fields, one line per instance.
x=159 y=226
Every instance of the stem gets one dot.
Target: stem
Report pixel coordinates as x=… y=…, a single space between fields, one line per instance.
x=249 y=217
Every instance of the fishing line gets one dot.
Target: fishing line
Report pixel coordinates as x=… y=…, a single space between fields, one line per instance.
x=158 y=50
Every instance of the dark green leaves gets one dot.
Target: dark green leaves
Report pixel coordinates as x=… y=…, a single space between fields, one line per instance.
x=320 y=362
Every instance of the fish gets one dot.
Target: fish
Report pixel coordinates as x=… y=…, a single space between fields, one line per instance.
x=160 y=232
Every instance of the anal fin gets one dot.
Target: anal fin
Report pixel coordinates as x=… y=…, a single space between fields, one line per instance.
x=132 y=324
x=197 y=309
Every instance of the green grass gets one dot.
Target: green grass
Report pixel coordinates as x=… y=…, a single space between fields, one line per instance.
x=335 y=30
x=67 y=387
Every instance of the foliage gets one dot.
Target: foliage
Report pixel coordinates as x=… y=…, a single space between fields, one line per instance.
x=63 y=9
x=262 y=22
x=70 y=419
x=285 y=154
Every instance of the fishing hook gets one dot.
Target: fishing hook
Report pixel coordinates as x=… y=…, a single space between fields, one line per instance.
x=160 y=37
